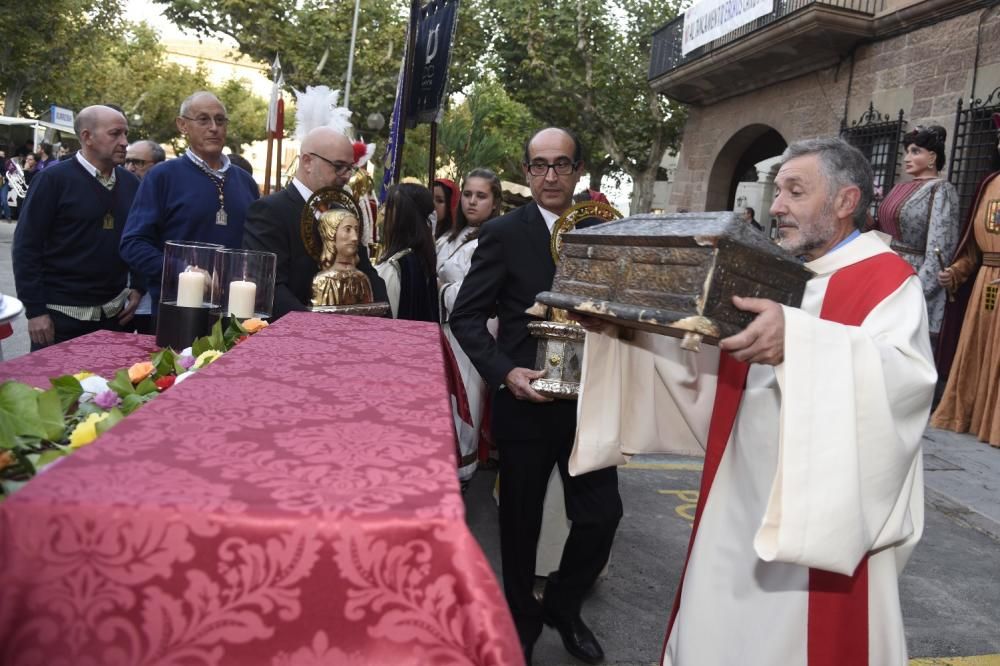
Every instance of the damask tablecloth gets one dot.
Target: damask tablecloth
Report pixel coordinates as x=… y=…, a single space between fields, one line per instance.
x=293 y=504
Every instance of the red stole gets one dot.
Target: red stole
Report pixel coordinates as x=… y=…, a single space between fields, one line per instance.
x=838 y=605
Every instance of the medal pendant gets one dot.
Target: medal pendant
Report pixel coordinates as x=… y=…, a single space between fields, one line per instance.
x=220 y=217
x=109 y=221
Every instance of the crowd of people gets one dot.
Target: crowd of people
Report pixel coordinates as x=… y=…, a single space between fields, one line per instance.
x=810 y=418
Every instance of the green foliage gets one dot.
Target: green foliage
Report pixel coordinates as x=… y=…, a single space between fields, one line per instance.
x=247 y=113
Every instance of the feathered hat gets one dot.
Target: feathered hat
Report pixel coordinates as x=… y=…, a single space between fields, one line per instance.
x=317 y=107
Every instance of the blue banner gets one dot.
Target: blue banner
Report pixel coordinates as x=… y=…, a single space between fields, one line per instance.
x=432 y=57
x=392 y=159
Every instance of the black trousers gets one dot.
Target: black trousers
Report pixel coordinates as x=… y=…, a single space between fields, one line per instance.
x=593 y=504
x=68 y=328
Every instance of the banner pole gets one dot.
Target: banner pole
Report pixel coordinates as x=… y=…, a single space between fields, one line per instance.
x=431 y=164
x=411 y=47
x=267 y=163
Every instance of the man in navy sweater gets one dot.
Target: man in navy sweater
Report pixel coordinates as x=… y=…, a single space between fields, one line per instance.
x=67 y=268
x=195 y=197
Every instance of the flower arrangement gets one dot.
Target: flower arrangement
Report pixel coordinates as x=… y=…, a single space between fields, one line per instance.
x=39 y=426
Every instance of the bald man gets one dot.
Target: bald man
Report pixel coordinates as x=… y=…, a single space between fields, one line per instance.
x=198 y=196
x=326 y=160
x=67 y=268
x=143 y=156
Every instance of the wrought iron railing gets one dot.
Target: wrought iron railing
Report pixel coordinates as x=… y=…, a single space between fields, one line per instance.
x=666 y=49
x=973 y=147
x=880 y=137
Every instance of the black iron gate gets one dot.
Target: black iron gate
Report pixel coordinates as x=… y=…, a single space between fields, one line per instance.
x=879 y=137
x=973 y=147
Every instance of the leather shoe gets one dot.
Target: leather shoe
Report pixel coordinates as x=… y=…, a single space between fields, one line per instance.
x=577 y=638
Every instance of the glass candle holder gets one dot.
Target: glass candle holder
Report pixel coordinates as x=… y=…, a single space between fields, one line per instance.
x=245 y=283
x=186 y=293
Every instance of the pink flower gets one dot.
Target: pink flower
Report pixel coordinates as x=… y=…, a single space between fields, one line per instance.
x=186 y=361
x=107 y=399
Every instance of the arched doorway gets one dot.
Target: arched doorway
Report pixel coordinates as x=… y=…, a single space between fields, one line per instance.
x=737 y=161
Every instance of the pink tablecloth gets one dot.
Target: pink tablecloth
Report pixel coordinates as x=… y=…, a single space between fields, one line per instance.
x=295 y=503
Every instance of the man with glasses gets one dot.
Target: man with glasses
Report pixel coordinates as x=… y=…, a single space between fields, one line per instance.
x=533 y=433
x=198 y=196
x=143 y=156
x=326 y=160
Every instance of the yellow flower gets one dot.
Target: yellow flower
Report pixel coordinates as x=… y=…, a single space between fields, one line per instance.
x=206 y=357
x=80 y=376
x=86 y=431
x=253 y=325
x=140 y=371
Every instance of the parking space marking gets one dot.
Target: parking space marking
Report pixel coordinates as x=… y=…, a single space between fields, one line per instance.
x=981 y=660
x=689 y=499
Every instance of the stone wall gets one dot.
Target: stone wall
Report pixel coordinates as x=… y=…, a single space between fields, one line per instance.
x=923 y=72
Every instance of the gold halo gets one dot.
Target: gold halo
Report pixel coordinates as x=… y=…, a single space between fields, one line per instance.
x=576 y=214
x=321 y=201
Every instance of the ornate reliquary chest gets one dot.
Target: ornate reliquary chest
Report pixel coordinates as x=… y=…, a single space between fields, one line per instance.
x=673 y=273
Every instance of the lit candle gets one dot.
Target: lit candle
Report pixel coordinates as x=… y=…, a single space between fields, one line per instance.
x=242 y=298
x=190 y=289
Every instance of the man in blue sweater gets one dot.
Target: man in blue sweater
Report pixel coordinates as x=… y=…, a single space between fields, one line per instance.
x=195 y=197
x=67 y=269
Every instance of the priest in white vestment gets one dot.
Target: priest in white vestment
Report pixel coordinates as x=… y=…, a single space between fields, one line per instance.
x=811 y=420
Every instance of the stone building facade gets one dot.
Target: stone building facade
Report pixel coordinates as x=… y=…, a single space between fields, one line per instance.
x=870 y=69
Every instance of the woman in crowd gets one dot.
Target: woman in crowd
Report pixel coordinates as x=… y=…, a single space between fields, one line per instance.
x=481 y=198
x=409 y=270
x=445 y=207
x=922 y=216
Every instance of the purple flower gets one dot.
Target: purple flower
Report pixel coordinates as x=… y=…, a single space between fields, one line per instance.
x=186 y=361
x=107 y=399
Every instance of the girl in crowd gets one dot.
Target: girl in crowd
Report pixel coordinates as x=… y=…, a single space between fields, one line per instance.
x=481 y=198
x=922 y=216
x=445 y=207
x=409 y=271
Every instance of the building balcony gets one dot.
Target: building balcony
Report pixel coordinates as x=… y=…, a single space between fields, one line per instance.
x=797 y=37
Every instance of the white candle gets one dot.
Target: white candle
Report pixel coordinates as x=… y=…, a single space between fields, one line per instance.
x=190 y=289
x=242 y=298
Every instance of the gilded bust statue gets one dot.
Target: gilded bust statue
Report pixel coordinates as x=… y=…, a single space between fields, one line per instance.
x=339 y=282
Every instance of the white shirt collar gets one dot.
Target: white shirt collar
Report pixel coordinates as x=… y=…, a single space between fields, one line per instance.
x=204 y=165
x=303 y=190
x=92 y=170
x=549 y=217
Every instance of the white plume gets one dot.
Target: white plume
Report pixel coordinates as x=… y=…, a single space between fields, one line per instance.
x=317 y=107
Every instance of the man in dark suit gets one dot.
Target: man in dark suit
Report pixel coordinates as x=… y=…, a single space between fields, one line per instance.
x=273 y=222
x=511 y=265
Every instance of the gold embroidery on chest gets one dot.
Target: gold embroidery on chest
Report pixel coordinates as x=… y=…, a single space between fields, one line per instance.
x=993 y=216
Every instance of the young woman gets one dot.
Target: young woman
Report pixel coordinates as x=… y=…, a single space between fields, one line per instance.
x=445 y=207
x=409 y=271
x=480 y=202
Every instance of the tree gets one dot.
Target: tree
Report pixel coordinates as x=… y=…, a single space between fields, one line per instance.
x=583 y=63
x=247 y=114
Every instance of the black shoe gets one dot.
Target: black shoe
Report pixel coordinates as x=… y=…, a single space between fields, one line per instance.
x=577 y=638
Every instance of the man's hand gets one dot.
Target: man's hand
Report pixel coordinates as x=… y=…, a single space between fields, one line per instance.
x=518 y=382
x=41 y=330
x=946 y=279
x=763 y=341
x=592 y=324
x=131 y=303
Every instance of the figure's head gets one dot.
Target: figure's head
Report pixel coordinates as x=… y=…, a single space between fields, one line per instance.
x=142 y=156
x=103 y=134
x=481 y=198
x=326 y=159
x=822 y=192
x=203 y=121
x=553 y=163
x=924 y=150
x=339 y=231
x=748 y=214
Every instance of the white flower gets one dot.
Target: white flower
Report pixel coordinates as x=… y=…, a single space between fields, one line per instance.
x=181 y=377
x=92 y=386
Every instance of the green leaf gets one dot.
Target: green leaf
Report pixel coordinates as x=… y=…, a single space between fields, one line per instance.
x=69 y=390
x=164 y=361
x=18 y=413
x=121 y=384
x=48 y=456
x=51 y=415
x=234 y=331
x=130 y=403
x=114 y=416
x=145 y=387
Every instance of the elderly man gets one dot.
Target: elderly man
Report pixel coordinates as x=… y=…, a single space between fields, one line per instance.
x=67 y=269
x=143 y=156
x=811 y=420
x=510 y=266
x=198 y=196
x=273 y=223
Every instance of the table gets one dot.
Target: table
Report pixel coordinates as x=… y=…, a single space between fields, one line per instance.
x=293 y=503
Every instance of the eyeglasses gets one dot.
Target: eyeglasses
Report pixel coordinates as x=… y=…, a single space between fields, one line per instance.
x=561 y=167
x=206 y=121
x=339 y=168
x=137 y=163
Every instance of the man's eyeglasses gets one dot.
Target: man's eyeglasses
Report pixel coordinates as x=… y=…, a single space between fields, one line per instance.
x=339 y=168
x=206 y=121
x=137 y=163
x=561 y=167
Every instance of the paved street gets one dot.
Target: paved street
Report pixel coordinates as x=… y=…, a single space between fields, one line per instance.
x=950 y=589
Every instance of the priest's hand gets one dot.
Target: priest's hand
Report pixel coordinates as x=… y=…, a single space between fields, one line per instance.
x=518 y=382
x=131 y=303
x=41 y=330
x=763 y=341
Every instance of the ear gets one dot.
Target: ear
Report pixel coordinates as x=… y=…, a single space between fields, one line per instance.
x=846 y=202
x=180 y=124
